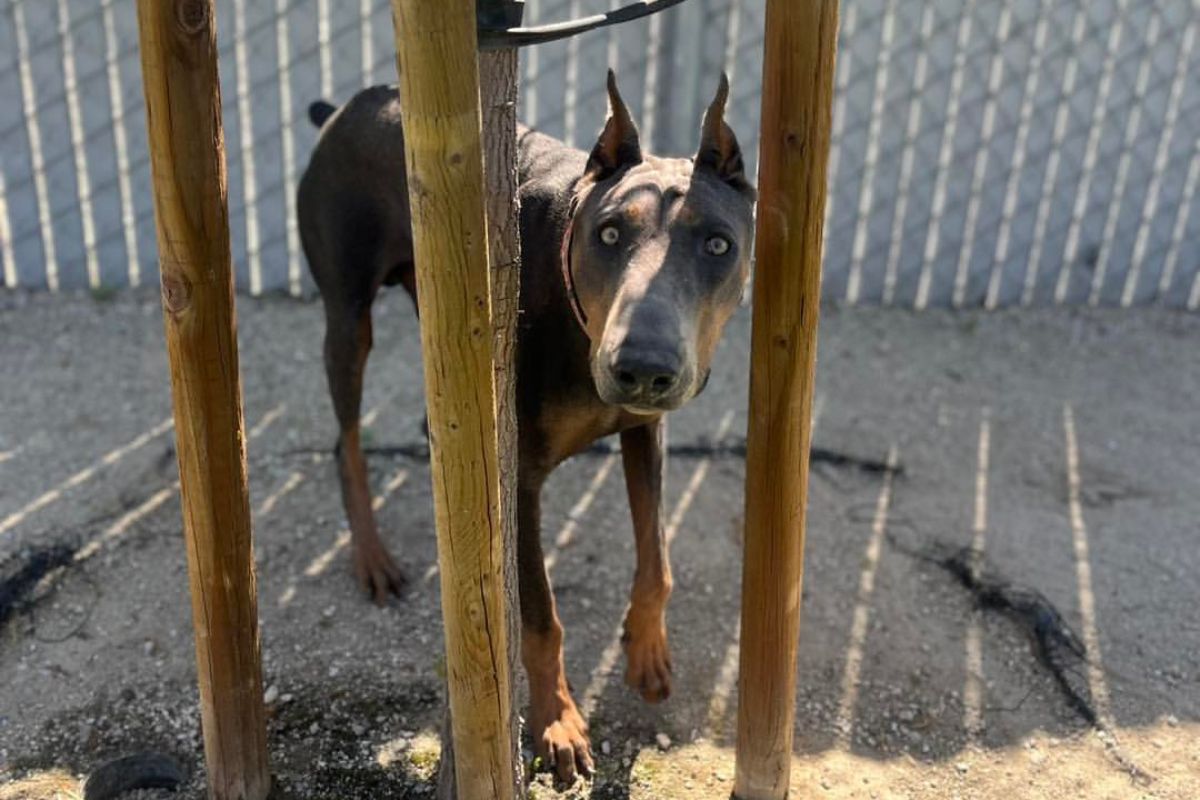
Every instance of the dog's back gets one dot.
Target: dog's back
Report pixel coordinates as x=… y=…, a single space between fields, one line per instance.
x=352 y=201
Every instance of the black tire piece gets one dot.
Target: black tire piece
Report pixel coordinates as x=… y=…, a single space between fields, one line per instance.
x=146 y=770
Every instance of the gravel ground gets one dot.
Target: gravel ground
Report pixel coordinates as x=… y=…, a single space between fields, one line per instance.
x=908 y=688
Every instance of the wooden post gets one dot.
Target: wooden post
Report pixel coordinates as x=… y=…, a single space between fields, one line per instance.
x=498 y=101
x=441 y=116
x=498 y=71
x=798 y=66
x=183 y=117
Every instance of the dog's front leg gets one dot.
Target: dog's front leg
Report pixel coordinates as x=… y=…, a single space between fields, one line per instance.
x=648 y=658
x=556 y=726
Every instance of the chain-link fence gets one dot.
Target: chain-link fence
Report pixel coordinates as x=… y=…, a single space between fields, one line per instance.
x=985 y=153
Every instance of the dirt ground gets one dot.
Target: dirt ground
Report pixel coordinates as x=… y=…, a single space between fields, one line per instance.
x=1065 y=444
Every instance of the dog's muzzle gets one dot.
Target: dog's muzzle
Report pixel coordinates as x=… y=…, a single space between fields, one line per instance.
x=645 y=379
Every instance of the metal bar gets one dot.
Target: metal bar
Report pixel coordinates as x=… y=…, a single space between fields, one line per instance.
x=866 y=192
x=120 y=145
x=982 y=153
x=492 y=38
x=1091 y=155
x=37 y=159
x=1020 y=157
x=945 y=160
x=83 y=189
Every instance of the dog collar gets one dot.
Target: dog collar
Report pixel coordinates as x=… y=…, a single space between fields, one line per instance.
x=565 y=268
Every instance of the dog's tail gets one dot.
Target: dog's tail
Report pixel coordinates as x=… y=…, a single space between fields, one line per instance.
x=320 y=111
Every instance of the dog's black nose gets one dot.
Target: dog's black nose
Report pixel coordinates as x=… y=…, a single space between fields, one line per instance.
x=645 y=375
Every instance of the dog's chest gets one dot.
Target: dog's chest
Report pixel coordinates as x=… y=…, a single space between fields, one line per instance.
x=569 y=429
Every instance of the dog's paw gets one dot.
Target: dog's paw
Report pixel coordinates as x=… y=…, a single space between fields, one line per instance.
x=560 y=737
x=648 y=659
x=377 y=573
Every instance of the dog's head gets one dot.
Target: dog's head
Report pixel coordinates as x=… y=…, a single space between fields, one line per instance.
x=656 y=258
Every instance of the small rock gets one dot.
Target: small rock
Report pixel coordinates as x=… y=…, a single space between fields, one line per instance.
x=606 y=747
x=271 y=694
x=664 y=741
x=1172 y=721
x=962 y=767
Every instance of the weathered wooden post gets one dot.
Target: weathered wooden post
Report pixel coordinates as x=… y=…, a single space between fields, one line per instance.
x=498 y=103
x=183 y=117
x=436 y=42
x=798 y=66
x=498 y=97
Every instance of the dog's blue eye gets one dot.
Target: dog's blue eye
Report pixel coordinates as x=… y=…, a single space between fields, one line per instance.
x=610 y=235
x=716 y=245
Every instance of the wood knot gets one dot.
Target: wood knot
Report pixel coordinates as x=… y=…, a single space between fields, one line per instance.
x=176 y=293
x=192 y=15
x=456 y=159
x=793 y=141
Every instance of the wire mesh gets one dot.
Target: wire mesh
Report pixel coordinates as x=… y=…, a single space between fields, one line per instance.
x=1032 y=152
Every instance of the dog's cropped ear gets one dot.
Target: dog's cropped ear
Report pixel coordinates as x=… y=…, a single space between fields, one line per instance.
x=618 y=144
x=719 y=151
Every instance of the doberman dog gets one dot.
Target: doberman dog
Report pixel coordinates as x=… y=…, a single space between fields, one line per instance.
x=631 y=267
